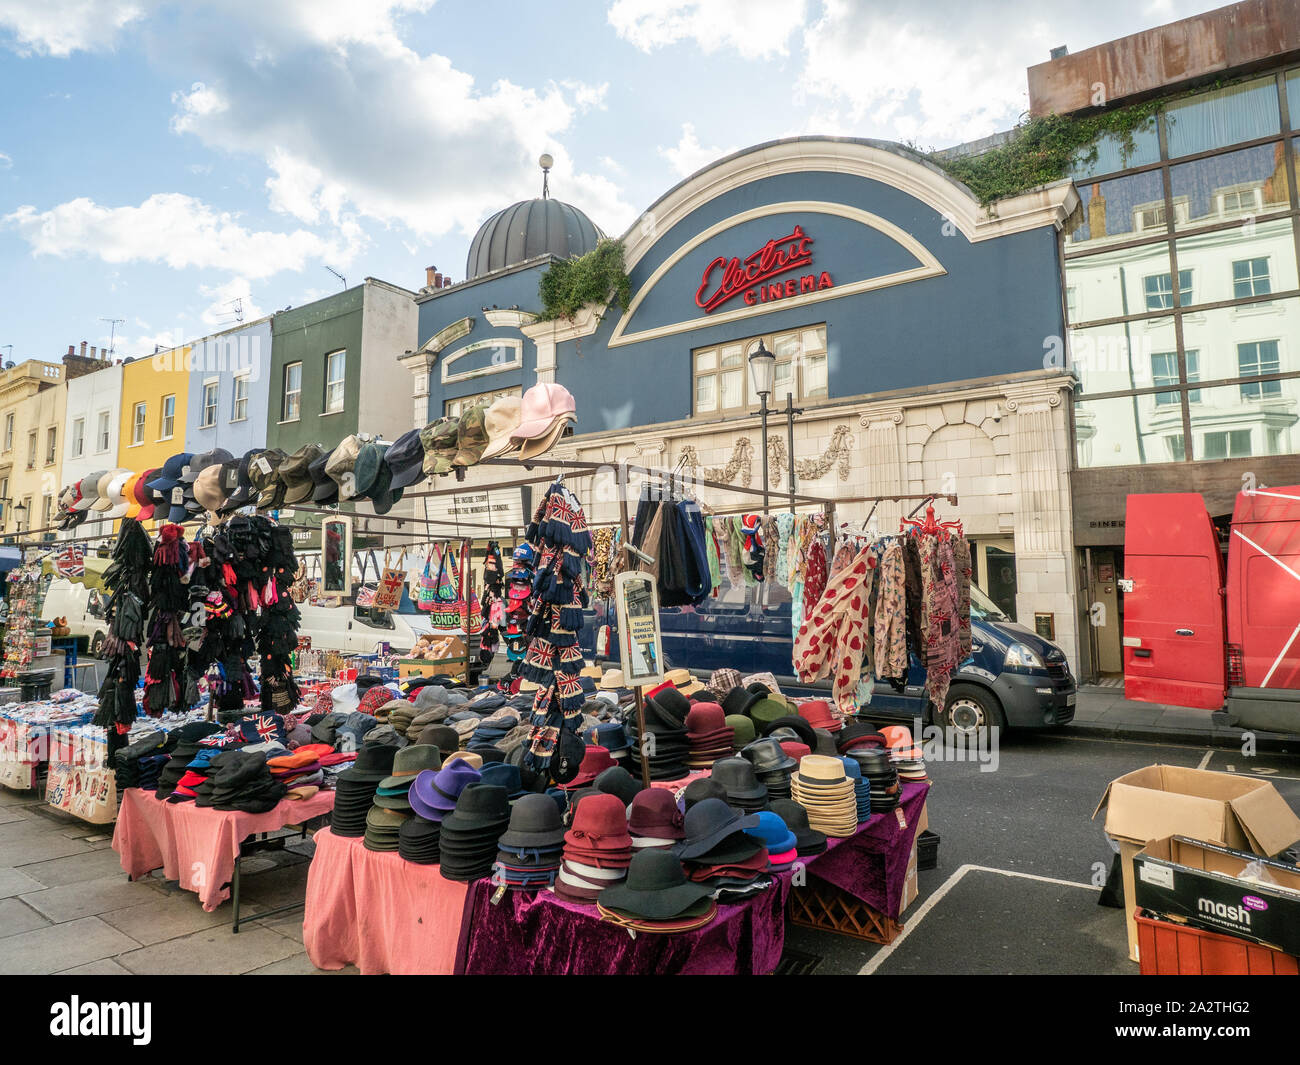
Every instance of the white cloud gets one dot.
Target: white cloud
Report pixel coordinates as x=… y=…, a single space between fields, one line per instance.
x=586 y=97
x=757 y=29
x=61 y=27
x=612 y=165
x=6 y=163
x=689 y=155
x=176 y=230
x=226 y=300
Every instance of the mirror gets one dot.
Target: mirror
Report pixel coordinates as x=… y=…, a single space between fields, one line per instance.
x=640 y=642
x=336 y=555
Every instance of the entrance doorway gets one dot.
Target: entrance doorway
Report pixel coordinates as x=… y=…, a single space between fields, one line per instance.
x=1105 y=613
x=993 y=569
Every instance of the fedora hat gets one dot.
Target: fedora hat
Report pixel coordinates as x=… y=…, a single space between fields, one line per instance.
x=434 y=793
x=775 y=834
x=479 y=806
x=766 y=756
x=656 y=888
x=410 y=761
x=500 y=421
x=738 y=777
x=595 y=760
x=858 y=734
x=708 y=823
x=611 y=680
x=372 y=763
x=503 y=775
x=535 y=822
x=405 y=460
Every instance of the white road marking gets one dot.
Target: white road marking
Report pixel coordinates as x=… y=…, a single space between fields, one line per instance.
x=915 y=919
x=1206 y=760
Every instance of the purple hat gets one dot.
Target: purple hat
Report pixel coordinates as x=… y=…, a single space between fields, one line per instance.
x=433 y=794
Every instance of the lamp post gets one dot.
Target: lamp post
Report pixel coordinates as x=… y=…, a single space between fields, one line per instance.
x=762 y=371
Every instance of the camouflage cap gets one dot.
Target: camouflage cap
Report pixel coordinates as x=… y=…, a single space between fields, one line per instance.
x=471 y=436
x=439 y=439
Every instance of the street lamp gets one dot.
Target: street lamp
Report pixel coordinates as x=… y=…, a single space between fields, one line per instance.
x=762 y=371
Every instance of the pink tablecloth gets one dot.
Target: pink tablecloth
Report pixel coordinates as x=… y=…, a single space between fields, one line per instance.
x=378 y=911
x=197 y=845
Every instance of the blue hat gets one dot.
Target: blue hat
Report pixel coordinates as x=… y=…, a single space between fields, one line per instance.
x=503 y=775
x=608 y=734
x=774 y=833
x=170 y=474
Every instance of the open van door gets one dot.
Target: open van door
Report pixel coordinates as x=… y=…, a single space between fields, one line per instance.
x=1264 y=576
x=1173 y=603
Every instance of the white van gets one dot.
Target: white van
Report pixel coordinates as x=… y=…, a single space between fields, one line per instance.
x=359 y=630
x=82 y=606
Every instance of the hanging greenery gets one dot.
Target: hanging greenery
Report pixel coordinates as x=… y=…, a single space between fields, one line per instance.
x=1044 y=149
x=598 y=277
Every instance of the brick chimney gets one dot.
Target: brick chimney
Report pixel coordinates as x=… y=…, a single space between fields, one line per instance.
x=83 y=349
x=430 y=272
x=75 y=365
x=72 y=349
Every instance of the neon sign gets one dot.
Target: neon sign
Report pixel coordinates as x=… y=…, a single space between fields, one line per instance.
x=724 y=279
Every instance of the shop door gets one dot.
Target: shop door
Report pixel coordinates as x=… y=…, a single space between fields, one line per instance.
x=995 y=572
x=1173 y=605
x=1108 y=621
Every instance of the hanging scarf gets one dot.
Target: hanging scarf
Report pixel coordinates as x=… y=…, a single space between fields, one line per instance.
x=784 y=531
x=961 y=556
x=814 y=575
x=715 y=559
x=832 y=641
x=938 y=576
x=770 y=549
x=890 y=615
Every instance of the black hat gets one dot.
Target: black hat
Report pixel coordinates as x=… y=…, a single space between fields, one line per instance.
x=702 y=788
x=566 y=761
x=374 y=762
x=807 y=840
x=535 y=822
x=326 y=492
x=739 y=701
x=405 y=460
x=479 y=808
x=618 y=781
x=216 y=457
x=708 y=823
x=239 y=492
x=670 y=706
x=262 y=471
x=767 y=756
x=737 y=776
x=798 y=725
x=656 y=888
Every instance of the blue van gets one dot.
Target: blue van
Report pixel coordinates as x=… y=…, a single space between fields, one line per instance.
x=1012 y=678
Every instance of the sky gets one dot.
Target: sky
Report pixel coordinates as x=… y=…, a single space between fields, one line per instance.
x=164 y=163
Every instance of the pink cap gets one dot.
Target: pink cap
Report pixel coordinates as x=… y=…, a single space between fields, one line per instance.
x=541 y=405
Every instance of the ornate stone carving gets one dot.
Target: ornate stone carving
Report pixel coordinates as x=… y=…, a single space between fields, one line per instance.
x=838 y=454
x=740 y=464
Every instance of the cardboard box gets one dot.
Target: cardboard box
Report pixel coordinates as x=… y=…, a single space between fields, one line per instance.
x=910 y=886
x=1196 y=882
x=1244 y=813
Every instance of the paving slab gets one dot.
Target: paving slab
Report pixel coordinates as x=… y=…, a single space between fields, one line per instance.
x=167 y=917
x=34 y=848
x=59 y=946
x=13 y=882
x=16 y=916
x=86 y=898
x=300 y=965
x=71 y=868
x=103 y=967
x=216 y=951
x=9 y=814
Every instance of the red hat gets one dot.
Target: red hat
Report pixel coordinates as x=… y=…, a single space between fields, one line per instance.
x=599 y=823
x=377 y=696
x=595 y=760
x=795 y=749
x=706 y=720
x=817 y=712
x=655 y=814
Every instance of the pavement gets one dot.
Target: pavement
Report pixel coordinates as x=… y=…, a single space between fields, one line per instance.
x=1104 y=712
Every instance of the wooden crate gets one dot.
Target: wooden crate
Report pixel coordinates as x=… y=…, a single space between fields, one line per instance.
x=826 y=908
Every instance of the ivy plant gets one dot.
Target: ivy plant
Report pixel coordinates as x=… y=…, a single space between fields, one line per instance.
x=568 y=285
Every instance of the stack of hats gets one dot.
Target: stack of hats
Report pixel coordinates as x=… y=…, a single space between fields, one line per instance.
x=417 y=841
x=196 y=772
x=861 y=786
x=880 y=773
x=300 y=767
x=240 y=780
x=383 y=827
x=495 y=727
x=665 y=744
x=611 y=735
x=743 y=732
x=394 y=791
x=657 y=897
x=654 y=820
x=618 y=781
x=709 y=735
x=471 y=832
x=744 y=790
x=906 y=755
x=433 y=795
x=354 y=790
x=184 y=743
x=718 y=852
x=532 y=847
x=771 y=765
x=817 y=712
x=504 y=775
x=858 y=734
x=399 y=713
x=808 y=841
x=778 y=838
x=821 y=787
x=700 y=789
x=597 y=849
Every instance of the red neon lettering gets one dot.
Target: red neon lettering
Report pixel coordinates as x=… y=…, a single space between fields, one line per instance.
x=732 y=277
x=825 y=281
x=791 y=287
x=750 y=298
x=807 y=283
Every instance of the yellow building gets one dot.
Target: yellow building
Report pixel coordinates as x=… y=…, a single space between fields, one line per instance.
x=33 y=398
x=152 y=429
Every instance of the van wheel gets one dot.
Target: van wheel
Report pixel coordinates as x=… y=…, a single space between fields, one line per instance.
x=970 y=712
x=97 y=645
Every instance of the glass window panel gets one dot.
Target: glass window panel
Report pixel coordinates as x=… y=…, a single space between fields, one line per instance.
x=1255 y=259
x=733 y=388
x=1111 y=155
x=814 y=376
x=785 y=345
x=1293 y=96
x=1158 y=290
x=732 y=355
x=1118 y=210
x=1111 y=284
x=706 y=360
x=1113 y=358
x=814 y=339
x=1164 y=371
x=1222 y=117
x=1236 y=185
x=1219 y=337
x=1128 y=431
x=1227 y=425
x=706 y=398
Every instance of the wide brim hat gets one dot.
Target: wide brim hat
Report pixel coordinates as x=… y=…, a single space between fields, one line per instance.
x=500 y=421
x=708 y=823
x=655 y=888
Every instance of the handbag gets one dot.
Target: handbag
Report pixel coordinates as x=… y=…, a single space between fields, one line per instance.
x=452 y=610
x=389 y=594
x=427 y=586
x=366 y=592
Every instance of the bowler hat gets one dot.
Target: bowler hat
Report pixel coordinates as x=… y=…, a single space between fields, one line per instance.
x=739 y=701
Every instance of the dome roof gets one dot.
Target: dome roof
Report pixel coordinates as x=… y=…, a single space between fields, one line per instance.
x=527 y=229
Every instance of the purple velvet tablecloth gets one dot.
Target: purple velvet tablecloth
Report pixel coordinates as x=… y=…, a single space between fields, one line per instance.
x=871 y=865
x=541 y=933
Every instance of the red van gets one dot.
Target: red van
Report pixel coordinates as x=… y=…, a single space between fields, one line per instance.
x=1201 y=634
